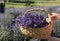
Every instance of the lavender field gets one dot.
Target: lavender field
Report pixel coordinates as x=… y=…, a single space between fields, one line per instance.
x=9 y=31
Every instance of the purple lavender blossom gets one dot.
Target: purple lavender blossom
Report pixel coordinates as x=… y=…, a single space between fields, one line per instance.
x=29 y=20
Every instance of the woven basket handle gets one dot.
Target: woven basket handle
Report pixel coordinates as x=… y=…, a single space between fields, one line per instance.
x=36 y=9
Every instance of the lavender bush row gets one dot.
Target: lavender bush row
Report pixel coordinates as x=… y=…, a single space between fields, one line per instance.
x=7 y=20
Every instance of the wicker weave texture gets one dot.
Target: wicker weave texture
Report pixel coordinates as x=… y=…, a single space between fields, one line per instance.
x=41 y=33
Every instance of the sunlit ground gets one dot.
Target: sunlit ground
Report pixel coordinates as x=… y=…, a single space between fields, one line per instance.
x=22 y=5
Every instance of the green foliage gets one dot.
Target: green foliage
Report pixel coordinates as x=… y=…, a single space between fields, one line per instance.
x=4 y=31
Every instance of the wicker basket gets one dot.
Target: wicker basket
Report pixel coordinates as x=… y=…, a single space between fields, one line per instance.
x=41 y=33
